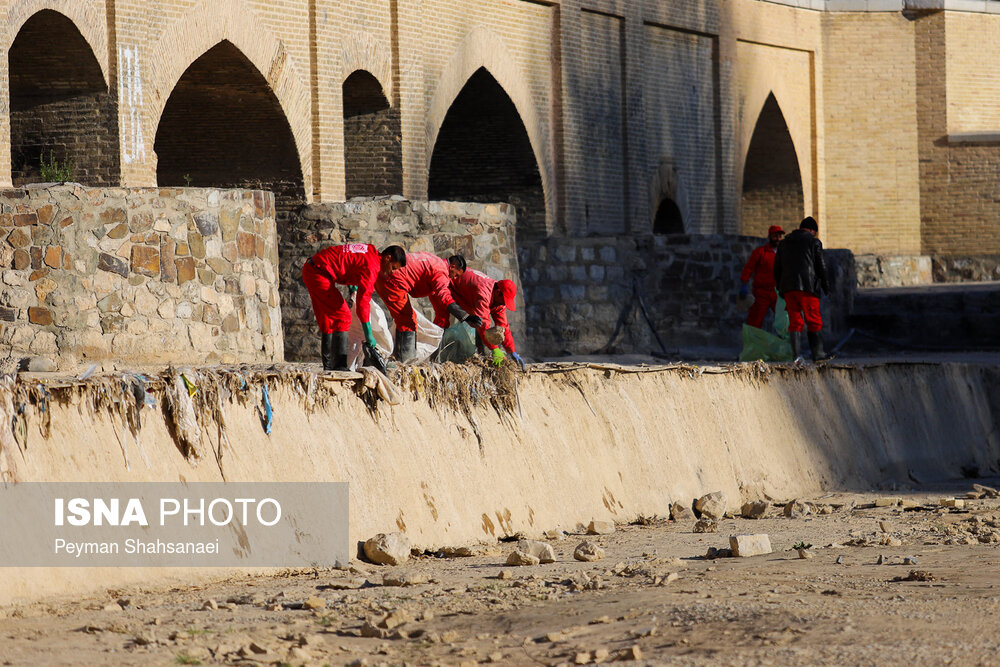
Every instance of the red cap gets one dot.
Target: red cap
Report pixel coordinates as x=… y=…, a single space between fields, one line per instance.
x=508 y=290
x=775 y=229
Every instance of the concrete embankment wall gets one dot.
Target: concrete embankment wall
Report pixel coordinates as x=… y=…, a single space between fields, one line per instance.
x=576 y=444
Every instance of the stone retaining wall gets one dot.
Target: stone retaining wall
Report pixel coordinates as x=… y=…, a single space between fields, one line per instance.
x=576 y=290
x=483 y=233
x=141 y=275
x=913 y=270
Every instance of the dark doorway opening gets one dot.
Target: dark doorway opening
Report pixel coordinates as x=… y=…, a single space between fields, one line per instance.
x=772 y=184
x=61 y=111
x=668 y=218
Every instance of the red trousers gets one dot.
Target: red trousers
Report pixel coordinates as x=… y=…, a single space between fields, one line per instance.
x=800 y=303
x=332 y=312
x=763 y=301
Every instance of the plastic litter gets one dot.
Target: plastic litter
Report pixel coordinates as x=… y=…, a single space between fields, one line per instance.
x=759 y=345
x=458 y=343
x=268 y=412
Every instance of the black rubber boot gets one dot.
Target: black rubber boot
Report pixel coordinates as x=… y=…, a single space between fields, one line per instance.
x=406 y=346
x=326 y=350
x=795 y=338
x=816 y=345
x=339 y=350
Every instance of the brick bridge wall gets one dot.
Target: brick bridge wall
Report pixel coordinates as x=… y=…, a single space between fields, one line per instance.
x=483 y=233
x=140 y=275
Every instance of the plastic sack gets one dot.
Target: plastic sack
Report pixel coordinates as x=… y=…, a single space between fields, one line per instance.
x=781 y=319
x=355 y=337
x=760 y=345
x=428 y=336
x=458 y=343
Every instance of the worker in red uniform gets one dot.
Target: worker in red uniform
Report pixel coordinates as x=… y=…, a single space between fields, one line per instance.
x=424 y=275
x=801 y=276
x=357 y=265
x=484 y=297
x=760 y=266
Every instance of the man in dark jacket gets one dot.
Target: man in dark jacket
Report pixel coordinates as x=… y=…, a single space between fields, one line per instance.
x=800 y=273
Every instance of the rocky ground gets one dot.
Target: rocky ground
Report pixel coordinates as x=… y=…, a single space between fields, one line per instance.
x=898 y=579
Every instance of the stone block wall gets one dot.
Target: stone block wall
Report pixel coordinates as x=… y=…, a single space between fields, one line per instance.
x=138 y=276
x=483 y=233
x=577 y=289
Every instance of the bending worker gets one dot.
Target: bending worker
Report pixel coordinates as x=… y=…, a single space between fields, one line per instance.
x=482 y=296
x=357 y=265
x=800 y=272
x=423 y=275
x=761 y=267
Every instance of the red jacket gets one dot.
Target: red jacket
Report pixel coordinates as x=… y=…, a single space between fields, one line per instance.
x=474 y=293
x=425 y=275
x=761 y=267
x=355 y=264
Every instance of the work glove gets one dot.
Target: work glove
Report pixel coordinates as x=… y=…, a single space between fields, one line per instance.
x=462 y=316
x=352 y=293
x=498 y=356
x=520 y=362
x=366 y=327
x=744 y=291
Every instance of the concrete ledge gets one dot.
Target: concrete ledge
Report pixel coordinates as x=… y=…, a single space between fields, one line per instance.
x=962 y=138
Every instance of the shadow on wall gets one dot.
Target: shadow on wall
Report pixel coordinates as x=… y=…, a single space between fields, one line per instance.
x=60 y=107
x=222 y=126
x=373 y=157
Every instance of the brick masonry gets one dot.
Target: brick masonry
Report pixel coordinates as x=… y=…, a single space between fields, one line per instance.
x=139 y=275
x=483 y=233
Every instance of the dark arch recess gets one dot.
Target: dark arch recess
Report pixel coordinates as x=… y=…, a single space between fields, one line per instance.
x=373 y=156
x=772 y=184
x=222 y=126
x=60 y=107
x=483 y=154
x=669 y=219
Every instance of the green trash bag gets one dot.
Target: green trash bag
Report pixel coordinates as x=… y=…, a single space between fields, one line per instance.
x=761 y=345
x=781 y=319
x=458 y=343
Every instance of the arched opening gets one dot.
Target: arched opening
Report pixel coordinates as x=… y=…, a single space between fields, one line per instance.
x=61 y=111
x=373 y=155
x=772 y=184
x=222 y=126
x=669 y=219
x=483 y=154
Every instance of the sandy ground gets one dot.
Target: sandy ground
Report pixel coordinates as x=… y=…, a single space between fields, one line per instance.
x=654 y=598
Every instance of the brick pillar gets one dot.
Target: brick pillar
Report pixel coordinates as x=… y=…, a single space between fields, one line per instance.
x=132 y=55
x=408 y=94
x=638 y=213
x=571 y=161
x=326 y=77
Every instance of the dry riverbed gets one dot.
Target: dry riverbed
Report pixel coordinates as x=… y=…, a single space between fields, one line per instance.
x=910 y=583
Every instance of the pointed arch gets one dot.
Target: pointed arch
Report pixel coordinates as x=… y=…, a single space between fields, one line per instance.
x=87 y=16
x=772 y=186
x=481 y=49
x=211 y=22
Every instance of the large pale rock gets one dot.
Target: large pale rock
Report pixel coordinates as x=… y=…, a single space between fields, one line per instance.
x=712 y=505
x=588 y=552
x=681 y=512
x=754 y=510
x=521 y=558
x=796 y=509
x=388 y=549
x=744 y=546
x=540 y=550
x=597 y=527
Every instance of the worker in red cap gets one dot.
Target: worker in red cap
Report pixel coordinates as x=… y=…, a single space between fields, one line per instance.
x=484 y=297
x=423 y=275
x=357 y=265
x=760 y=267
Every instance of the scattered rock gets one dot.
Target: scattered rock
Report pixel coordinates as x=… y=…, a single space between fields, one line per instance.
x=505 y=574
x=600 y=528
x=891 y=541
x=805 y=553
x=891 y=501
x=540 y=550
x=916 y=575
x=396 y=618
x=706 y=526
x=369 y=629
x=209 y=605
x=985 y=491
x=496 y=656
x=588 y=552
x=520 y=558
x=714 y=553
x=403 y=579
x=313 y=602
x=629 y=654
x=744 y=546
x=582 y=658
x=679 y=512
x=957 y=503
x=796 y=509
x=881 y=560
x=711 y=505
x=909 y=560
x=346 y=584
x=601 y=654
x=388 y=549
x=754 y=510
x=840 y=560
